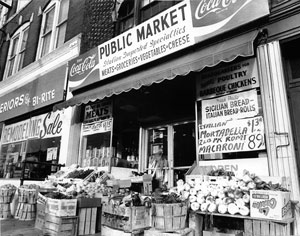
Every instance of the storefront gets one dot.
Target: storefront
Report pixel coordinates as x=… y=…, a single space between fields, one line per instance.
x=220 y=102
x=31 y=131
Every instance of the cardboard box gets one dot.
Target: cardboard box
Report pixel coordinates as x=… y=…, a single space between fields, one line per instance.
x=214 y=233
x=267 y=204
x=61 y=207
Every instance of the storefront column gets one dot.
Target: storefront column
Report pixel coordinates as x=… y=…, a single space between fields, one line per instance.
x=279 y=136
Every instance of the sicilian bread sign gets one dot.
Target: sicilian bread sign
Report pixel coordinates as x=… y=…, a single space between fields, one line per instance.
x=230 y=78
x=231 y=124
x=43 y=126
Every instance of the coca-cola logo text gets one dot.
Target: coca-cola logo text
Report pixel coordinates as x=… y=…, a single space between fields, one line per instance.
x=212 y=6
x=87 y=64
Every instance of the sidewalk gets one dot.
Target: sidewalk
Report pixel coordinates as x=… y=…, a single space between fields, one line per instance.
x=14 y=227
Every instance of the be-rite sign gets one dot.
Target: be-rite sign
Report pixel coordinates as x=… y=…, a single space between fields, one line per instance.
x=41 y=92
x=43 y=126
x=179 y=27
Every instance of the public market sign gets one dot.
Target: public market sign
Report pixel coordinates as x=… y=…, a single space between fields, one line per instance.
x=179 y=27
x=43 y=91
x=44 y=126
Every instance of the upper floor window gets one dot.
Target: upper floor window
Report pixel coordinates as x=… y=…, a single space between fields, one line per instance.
x=54 y=26
x=125 y=15
x=4 y=11
x=21 y=4
x=16 y=52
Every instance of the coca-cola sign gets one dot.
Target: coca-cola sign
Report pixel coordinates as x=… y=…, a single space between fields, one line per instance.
x=84 y=69
x=212 y=17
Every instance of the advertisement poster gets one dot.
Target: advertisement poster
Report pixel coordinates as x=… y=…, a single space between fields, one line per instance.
x=233 y=106
x=232 y=136
x=239 y=76
x=51 y=153
x=100 y=126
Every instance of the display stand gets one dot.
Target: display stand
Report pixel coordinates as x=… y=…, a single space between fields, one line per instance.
x=251 y=226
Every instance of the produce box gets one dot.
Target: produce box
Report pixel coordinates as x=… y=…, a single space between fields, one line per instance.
x=87 y=221
x=268 y=204
x=128 y=219
x=61 y=207
x=60 y=226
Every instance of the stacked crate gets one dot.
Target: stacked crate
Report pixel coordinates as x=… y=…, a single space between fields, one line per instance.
x=60 y=217
x=6 y=197
x=88 y=209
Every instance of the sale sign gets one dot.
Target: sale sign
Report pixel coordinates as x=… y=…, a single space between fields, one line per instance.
x=233 y=106
x=231 y=136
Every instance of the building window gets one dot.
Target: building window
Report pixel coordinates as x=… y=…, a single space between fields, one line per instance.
x=125 y=14
x=54 y=26
x=4 y=11
x=22 y=4
x=15 y=60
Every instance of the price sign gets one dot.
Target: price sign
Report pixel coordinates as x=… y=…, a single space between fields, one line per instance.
x=232 y=136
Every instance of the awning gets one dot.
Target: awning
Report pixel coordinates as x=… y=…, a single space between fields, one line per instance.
x=210 y=56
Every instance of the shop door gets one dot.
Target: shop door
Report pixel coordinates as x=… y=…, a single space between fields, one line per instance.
x=169 y=151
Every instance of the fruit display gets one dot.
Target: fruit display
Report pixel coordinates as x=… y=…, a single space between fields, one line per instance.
x=79 y=173
x=223 y=193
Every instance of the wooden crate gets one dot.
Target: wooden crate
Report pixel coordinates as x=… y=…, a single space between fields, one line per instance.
x=60 y=226
x=266 y=227
x=40 y=216
x=87 y=221
x=184 y=232
x=25 y=211
x=128 y=219
x=169 y=217
x=5 y=212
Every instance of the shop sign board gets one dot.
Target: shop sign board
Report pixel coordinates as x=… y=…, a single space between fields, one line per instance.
x=211 y=17
x=97 y=127
x=232 y=106
x=235 y=77
x=98 y=111
x=231 y=136
x=176 y=28
x=84 y=69
x=43 y=126
x=43 y=91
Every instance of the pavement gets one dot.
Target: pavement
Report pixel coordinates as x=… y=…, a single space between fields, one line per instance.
x=15 y=227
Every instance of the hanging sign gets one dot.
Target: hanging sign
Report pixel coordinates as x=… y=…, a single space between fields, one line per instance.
x=96 y=127
x=230 y=78
x=231 y=136
x=43 y=126
x=43 y=91
x=98 y=111
x=233 y=106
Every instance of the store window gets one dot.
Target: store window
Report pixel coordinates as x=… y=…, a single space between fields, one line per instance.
x=54 y=26
x=17 y=49
x=11 y=157
x=230 y=120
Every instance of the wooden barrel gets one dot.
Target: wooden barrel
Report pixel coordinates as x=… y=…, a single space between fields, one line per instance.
x=5 y=212
x=169 y=217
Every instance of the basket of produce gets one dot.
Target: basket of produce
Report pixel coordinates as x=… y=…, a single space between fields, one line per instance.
x=7 y=193
x=169 y=212
x=28 y=193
